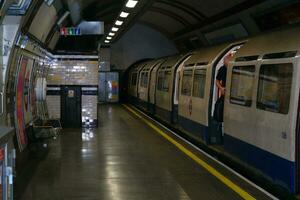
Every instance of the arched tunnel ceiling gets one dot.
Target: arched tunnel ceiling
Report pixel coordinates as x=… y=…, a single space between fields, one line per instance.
x=171 y=17
x=168 y=16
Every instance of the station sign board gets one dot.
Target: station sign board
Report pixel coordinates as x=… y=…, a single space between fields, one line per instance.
x=70 y=31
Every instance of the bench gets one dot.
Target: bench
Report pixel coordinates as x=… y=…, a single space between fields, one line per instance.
x=42 y=130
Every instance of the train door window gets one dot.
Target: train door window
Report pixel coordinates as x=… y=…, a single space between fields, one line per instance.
x=160 y=79
x=142 y=79
x=242 y=82
x=187 y=80
x=134 y=78
x=144 y=82
x=163 y=81
x=199 y=83
x=274 y=87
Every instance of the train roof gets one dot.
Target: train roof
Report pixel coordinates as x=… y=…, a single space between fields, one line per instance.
x=279 y=44
x=151 y=63
x=208 y=55
x=171 y=61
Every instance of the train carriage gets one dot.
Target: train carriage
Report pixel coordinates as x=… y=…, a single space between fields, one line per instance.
x=134 y=82
x=145 y=83
x=166 y=105
x=262 y=105
x=261 y=108
x=152 y=85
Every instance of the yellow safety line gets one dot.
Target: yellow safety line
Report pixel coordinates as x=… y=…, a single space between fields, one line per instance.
x=210 y=169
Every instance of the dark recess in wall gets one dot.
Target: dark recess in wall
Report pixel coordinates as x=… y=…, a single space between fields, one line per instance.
x=83 y=43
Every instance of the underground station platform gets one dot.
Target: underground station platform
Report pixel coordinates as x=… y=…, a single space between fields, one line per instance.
x=129 y=157
x=149 y=99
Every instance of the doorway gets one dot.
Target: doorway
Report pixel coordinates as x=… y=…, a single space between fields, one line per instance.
x=108 y=87
x=71 y=106
x=216 y=125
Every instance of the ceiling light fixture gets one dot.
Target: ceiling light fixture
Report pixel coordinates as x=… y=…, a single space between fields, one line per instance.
x=119 y=23
x=124 y=14
x=108 y=38
x=131 y=3
x=114 y=29
x=106 y=41
x=111 y=34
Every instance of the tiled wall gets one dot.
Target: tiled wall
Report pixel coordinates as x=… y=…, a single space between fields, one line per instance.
x=74 y=72
x=82 y=73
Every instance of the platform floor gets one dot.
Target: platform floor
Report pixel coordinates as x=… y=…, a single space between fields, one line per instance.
x=123 y=159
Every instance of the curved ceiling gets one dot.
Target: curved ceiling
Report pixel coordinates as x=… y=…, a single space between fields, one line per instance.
x=173 y=18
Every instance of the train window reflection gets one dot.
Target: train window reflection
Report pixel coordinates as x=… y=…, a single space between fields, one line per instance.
x=199 y=83
x=242 y=82
x=163 y=81
x=274 y=87
x=187 y=80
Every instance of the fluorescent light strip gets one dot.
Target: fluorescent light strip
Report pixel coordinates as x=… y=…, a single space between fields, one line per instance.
x=124 y=14
x=119 y=23
x=111 y=34
x=131 y=3
x=108 y=38
x=106 y=41
x=114 y=29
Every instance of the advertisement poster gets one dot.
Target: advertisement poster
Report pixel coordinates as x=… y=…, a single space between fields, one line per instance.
x=2 y=177
x=27 y=91
x=20 y=121
x=33 y=81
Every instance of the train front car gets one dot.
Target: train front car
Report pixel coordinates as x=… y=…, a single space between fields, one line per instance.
x=262 y=105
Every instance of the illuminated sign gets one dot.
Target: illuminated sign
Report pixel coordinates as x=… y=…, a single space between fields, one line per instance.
x=70 y=31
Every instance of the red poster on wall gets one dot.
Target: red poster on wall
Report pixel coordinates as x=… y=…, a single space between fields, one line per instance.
x=32 y=91
x=2 y=160
x=20 y=121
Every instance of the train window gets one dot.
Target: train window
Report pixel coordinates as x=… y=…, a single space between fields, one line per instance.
x=242 y=82
x=163 y=81
x=201 y=63
x=190 y=65
x=199 y=83
x=187 y=80
x=246 y=58
x=274 y=87
x=287 y=54
x=144 y=79
x=133 y=78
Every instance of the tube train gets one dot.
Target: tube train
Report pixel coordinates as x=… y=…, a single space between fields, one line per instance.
x=260 y=126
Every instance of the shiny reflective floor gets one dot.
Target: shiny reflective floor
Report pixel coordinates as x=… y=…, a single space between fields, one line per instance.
x=123 y=159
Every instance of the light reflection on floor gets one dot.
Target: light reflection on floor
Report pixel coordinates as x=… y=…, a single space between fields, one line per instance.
x=87 y=134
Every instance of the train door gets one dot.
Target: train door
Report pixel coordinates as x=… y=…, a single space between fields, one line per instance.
x=71 y=107
x=217 y=106
x=176 y=88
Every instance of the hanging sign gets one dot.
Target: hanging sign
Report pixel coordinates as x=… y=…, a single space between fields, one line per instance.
x=70 y=31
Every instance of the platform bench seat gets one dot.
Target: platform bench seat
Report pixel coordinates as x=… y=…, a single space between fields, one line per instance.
x=45 y=129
